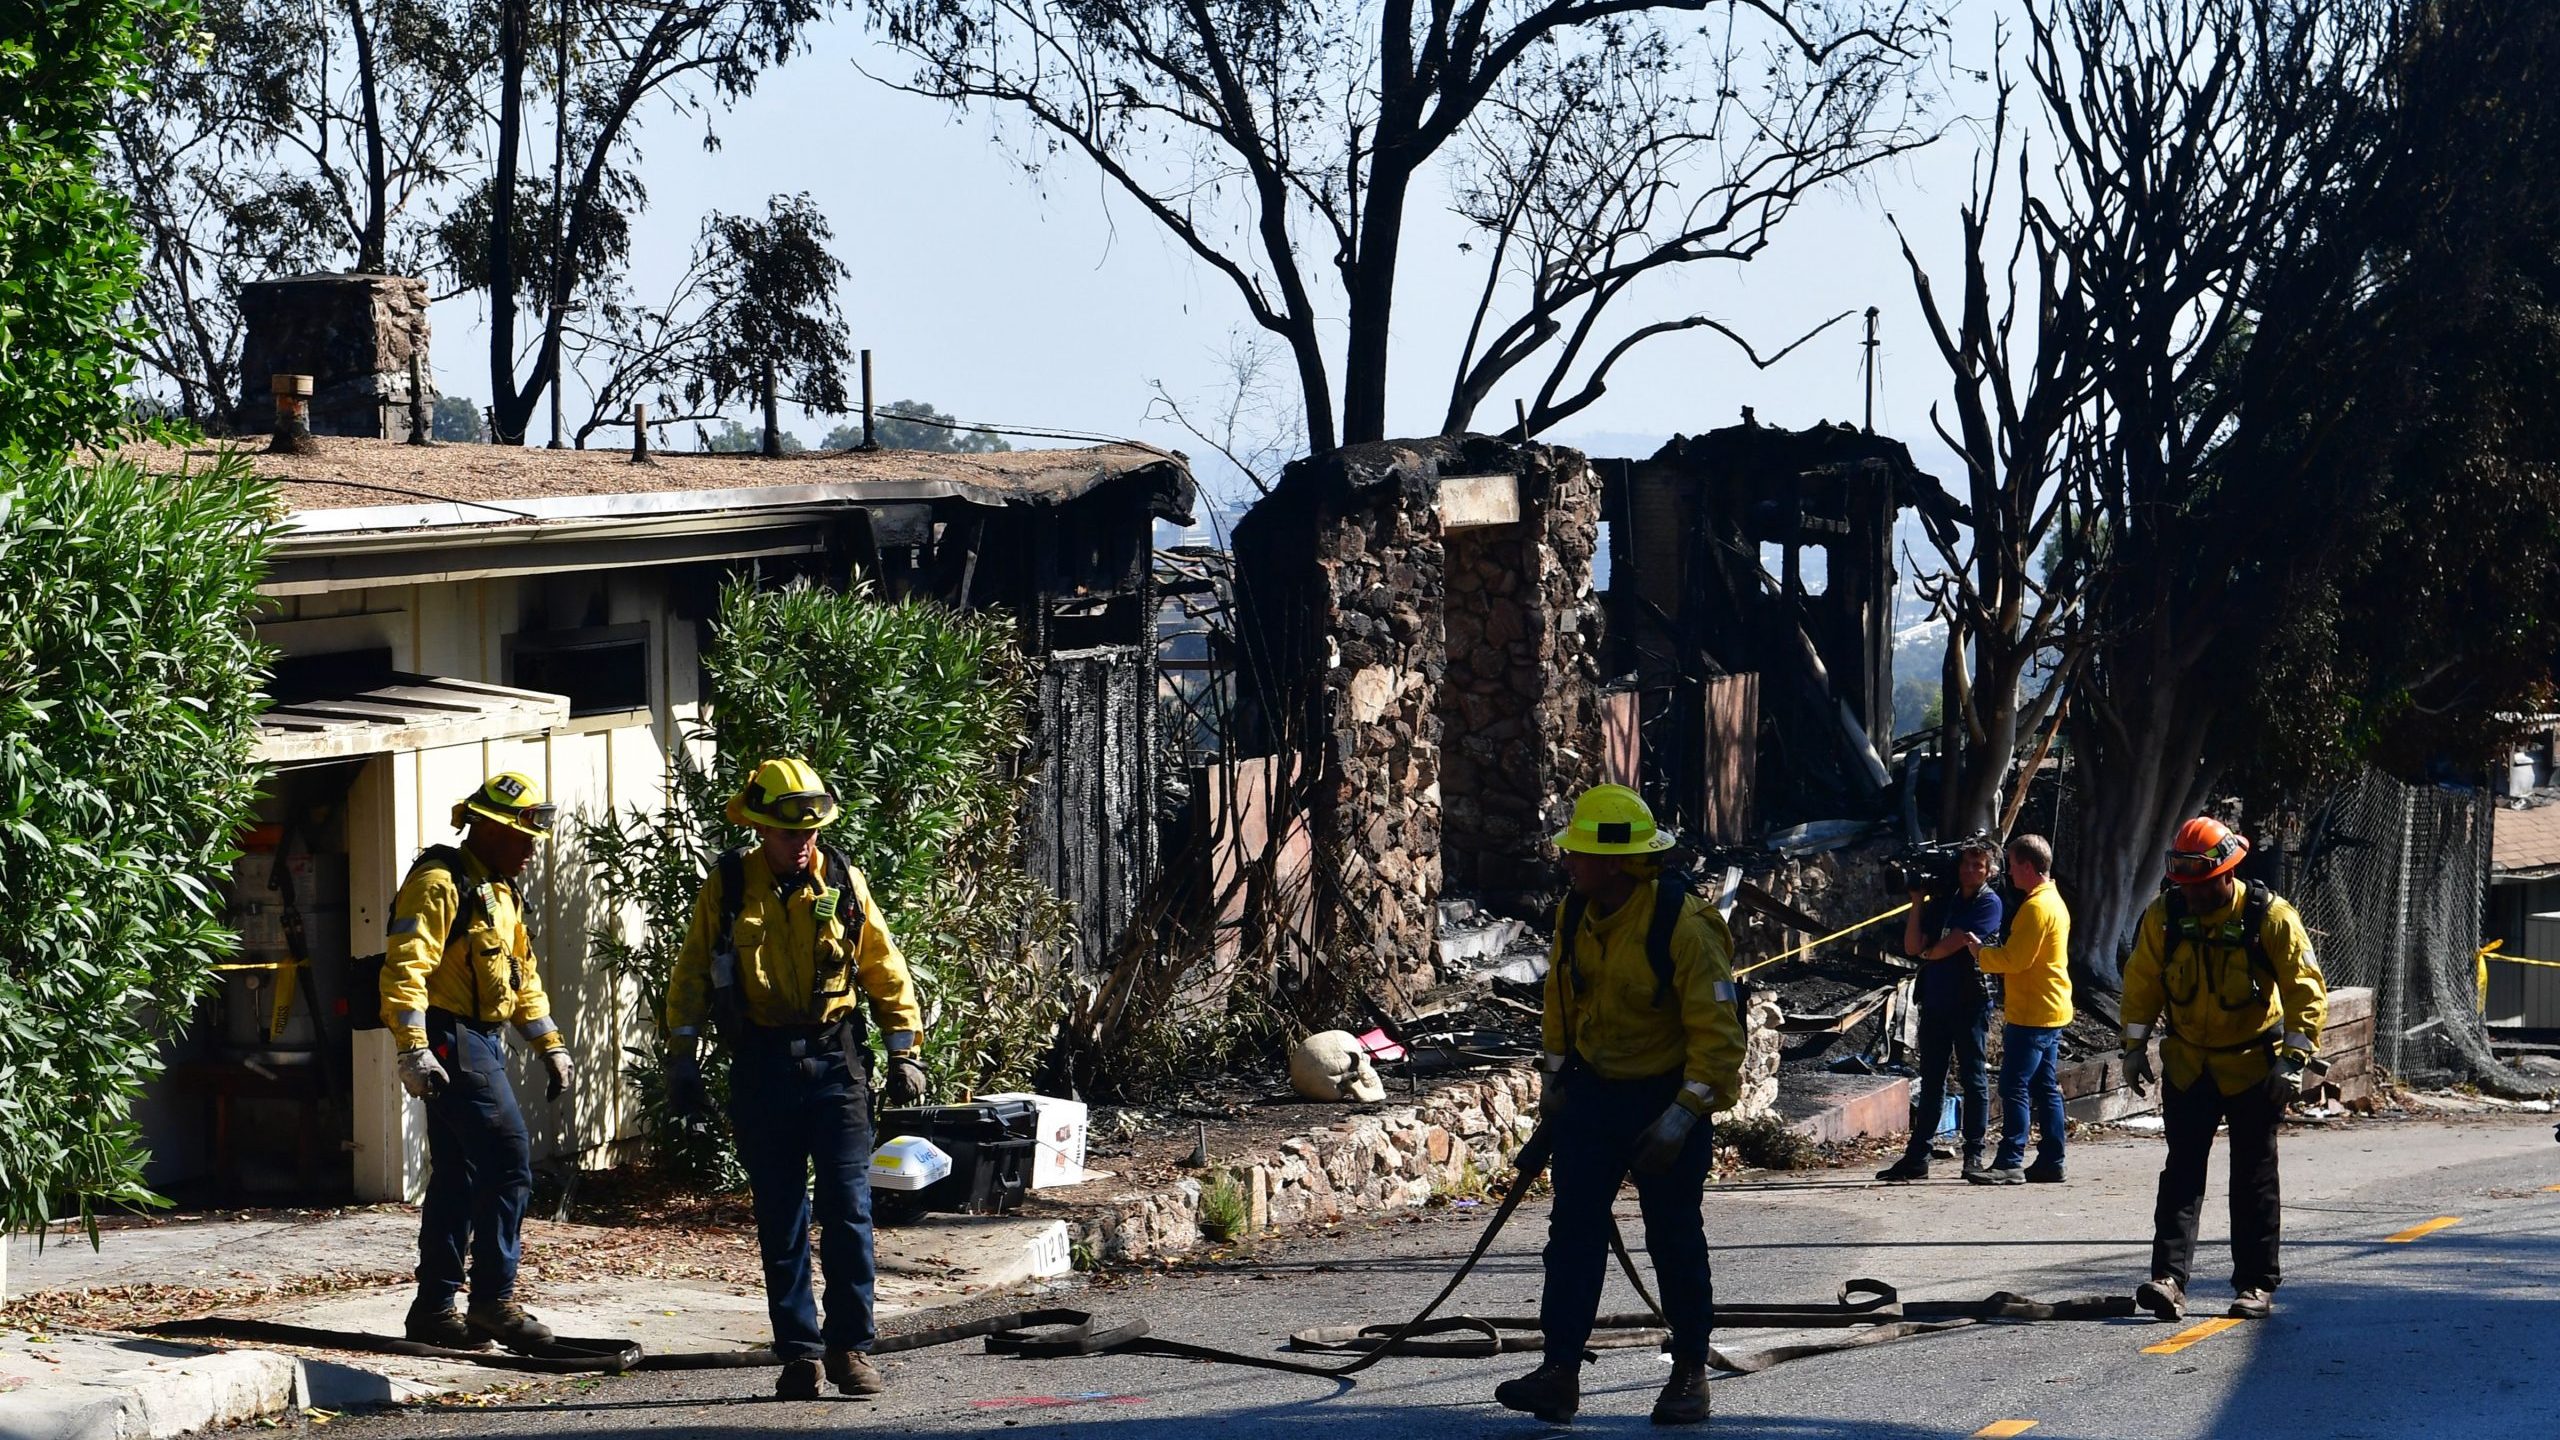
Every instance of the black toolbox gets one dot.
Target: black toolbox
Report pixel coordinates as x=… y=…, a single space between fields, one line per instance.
x=990 y=1143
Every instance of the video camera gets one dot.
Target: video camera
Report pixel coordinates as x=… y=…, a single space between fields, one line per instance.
x=1928 y=870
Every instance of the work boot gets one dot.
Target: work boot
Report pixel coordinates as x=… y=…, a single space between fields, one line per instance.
x=798 y=1380
x=1973 y=1165
x=852 y=1373
x=506 y=1322
x=1998 y=1175
x=2254 y=1303
x=441 y=1326
x=1683 y=1400
x=2163 y=1297
x=1912 y=1166
x=1550 y=1392
x=2043 y=1174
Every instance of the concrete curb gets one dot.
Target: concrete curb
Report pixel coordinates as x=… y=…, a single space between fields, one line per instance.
x=224 y=1387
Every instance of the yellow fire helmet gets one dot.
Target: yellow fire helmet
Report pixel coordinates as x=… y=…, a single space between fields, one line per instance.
x=785 y=793
x=1612 y=820
x=511 y=799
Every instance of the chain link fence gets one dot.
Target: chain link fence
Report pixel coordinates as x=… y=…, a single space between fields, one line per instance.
x=2392 y=880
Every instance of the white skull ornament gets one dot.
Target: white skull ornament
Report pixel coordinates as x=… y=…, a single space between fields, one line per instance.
x=1331 y=1065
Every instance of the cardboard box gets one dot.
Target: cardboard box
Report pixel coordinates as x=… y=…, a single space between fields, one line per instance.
x=1058 y=1157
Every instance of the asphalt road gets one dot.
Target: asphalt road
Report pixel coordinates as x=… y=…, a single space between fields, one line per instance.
x=2454 y=1332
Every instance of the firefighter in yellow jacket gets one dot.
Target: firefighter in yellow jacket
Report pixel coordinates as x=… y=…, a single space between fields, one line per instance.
x=2228 y=969
x=785 y=947
x=1642 y=1044
x=458 y=969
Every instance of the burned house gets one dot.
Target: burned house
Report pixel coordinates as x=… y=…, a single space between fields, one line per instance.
x=1417 y=634
x=1751 y=600
x=443 y=613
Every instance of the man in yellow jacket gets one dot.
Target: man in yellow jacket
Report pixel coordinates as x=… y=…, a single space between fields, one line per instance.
x=1642 y=1045
x=2035 y=1003
x=457 y=969
x=2230 y=968
x=785 y=946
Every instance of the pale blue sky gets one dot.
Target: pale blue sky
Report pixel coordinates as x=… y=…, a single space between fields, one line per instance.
x=1002 y=302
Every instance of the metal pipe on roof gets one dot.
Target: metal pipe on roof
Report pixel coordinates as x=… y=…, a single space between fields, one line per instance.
x=870 y=439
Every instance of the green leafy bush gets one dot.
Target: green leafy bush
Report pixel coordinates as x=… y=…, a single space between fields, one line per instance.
x=127 y=706
x=916 y=714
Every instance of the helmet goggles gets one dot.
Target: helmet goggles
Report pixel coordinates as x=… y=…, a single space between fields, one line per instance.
x=809 y=808
x=2196 y=865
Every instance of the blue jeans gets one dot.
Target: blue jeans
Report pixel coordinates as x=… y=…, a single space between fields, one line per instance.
x=801 y=1104
x=479 y=1168
x=2030 y=1081
x=1961 y=1032
x=1595 y=1142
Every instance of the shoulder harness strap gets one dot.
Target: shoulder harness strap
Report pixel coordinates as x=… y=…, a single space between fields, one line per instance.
x=1670 y=902
x=2253 y=922
x=456 y=872
x=1575 y=908
x=733 y=898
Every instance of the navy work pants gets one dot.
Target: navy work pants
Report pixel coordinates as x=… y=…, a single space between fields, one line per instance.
x=1595 y=1138
x=801 y=1107
x=2030 y=1085
x=1958 y=1031
x=479 y=1168
x=2257 y=1202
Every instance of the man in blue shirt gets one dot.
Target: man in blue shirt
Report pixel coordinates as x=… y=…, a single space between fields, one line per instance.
x=1955 y=1009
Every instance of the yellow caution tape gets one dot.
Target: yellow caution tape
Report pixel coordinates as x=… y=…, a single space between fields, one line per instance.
x=1825 y=940
x=2480 y=959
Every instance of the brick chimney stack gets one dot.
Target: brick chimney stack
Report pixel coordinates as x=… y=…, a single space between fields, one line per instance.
x=354 y=335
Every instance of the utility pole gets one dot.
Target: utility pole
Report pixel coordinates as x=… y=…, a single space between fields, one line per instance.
x=1870 y=348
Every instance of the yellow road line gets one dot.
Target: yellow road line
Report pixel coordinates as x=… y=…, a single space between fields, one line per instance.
x=2193 y=1333
x=2547 y=1189
x=2416 y=1232
x=2003 y=1429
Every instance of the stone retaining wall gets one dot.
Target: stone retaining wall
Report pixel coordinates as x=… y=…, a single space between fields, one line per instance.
x=1458 y=1138
x=1395 y=1158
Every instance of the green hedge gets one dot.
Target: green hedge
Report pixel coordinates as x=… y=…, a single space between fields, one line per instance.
x=128 y=695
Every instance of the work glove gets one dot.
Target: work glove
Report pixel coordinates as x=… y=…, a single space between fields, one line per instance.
x=906 y=1079
x=1550 y=1086
x=421 y=1074
x=685 y=1096
x=1660 y=1144
x=2285 y=1081
x=563 y=1072
x=2139 y=1072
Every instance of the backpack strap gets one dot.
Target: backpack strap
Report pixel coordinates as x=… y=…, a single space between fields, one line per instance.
x=835 y=869
x=1575 y=908
x=449 y=859
x=732 y=866
x=728 y=1006
x=1670 y=902
x=2253 y=921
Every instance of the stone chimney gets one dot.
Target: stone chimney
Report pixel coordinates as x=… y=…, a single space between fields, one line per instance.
x=352 y=334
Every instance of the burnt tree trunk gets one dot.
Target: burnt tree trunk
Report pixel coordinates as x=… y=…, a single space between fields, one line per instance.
x=506 y=407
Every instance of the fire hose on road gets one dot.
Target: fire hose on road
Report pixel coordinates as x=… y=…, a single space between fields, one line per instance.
x=1870 y=1311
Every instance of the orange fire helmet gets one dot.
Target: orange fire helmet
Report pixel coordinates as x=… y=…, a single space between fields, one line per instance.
x=2205 y=848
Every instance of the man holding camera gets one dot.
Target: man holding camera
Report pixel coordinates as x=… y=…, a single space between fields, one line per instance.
x=1955 y=1009
x=2035 y=1001
x=2230 y=968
